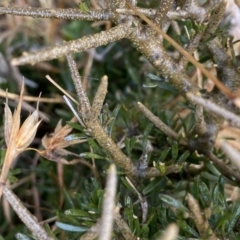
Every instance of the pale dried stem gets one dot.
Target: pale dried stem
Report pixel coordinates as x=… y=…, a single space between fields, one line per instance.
x=14 y=96
x=213 y=107
x=27 y=218
x=171 y=233
x=60 y=88
x=82 y=97
x=82 y=44
x=107 y=216
x=232 y=153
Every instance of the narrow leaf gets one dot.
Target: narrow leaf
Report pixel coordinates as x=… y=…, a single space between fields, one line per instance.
x=172 y=202
x=71 y=228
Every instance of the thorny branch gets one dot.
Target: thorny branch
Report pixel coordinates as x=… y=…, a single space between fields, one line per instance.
x=29 y=220
x=148 y=40
x=97 y=131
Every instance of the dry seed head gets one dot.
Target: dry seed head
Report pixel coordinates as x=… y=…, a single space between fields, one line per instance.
x=26 y=134
x=27 y=131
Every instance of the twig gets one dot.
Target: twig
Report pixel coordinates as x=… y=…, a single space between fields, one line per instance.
x=82 y=97
x=232 y=153
x=159 y=124
x=27 y=218
x=213 y=107
x=215 y=20
x=162 y=11
x=223 y=88
x=223 y=168
x=79 y=45
x=71 y=14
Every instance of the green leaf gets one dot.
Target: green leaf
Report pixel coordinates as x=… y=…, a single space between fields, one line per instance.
x=114 y=116
x=137 y=227
x=186 y=228
x=223 y=220
x=128 y=212
x=195 y=188
x=154 y=77
x=212 y=169
x=145 y=136
x=76 y=126
x=71 y=228
x=84 y=7
x=183 y=157
x=49 y=231
x=74 y=136
x=77 y=213
x=186 y=106
x=68 y=200
x=150 y=218
x=95 y=147
x=172 y=202
x=2 y=156
x=150 y=85
x=162 y=167
x=204 y=194
x=164 y=154
x=128 y=186
x=174 y=150
x=21 y=236
x=152 y=185
x=221 y=185
x=93 y=155
x=145 y=231
x=167 y=86
x=209 y=176
x=129 y=144
x=234 y=217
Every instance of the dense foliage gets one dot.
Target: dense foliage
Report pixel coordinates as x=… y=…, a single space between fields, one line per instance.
x=168 y=123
